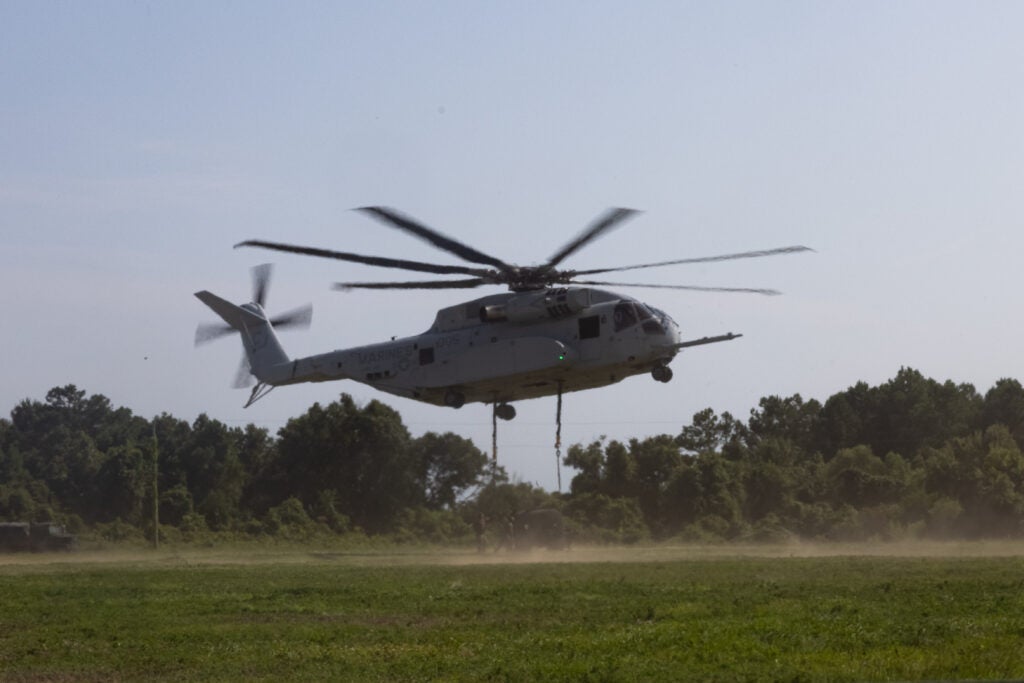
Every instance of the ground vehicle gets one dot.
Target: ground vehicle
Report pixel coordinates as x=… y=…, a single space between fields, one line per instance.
x=35 y=537
x=541 y=528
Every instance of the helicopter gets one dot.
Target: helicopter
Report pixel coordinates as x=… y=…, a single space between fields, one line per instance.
x=552 y=332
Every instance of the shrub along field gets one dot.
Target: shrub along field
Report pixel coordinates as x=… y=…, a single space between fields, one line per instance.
x=661 y=613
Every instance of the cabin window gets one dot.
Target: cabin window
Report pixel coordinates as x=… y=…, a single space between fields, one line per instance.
x=624 y=315
x=427 y=356
x=590 y=327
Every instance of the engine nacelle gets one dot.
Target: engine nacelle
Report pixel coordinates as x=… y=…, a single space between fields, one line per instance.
x=534 y=306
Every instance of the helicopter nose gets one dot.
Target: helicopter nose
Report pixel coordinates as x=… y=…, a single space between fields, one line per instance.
x=672 y=330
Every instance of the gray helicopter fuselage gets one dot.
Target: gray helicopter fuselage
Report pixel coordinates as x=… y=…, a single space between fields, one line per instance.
x=506 y=347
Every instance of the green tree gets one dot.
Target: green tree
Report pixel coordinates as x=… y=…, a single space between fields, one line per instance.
x=706 y=488
x=619 y=478
x=123 y=481
x=846 y=419
x=708 y=433
x=790 y=418
x=860 y=479
x=1004 y=404
x=64 y=443
x=655 y=458
x=589 y=464
x=213 y=471
x=770 y=480
x=500 y=499
x=446 y=465
x=984 y=474
x=67 y=461
x=606 y=519
x=363 y=454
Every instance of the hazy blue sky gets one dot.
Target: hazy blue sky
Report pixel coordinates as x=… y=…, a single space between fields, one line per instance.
x=140 y=141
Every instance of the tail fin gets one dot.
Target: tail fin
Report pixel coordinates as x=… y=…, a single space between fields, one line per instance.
x=262 y=349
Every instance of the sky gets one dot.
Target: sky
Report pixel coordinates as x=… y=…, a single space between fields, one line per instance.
x=139 y=141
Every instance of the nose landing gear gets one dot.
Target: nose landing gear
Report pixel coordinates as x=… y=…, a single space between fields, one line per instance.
x=662 y=373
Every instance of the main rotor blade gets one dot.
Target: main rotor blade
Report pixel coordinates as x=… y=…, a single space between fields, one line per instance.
x=207 y=332
x=261 y=282
x=424 y=284
x=608 y=220
x=736 y=290
x=381 y=261
x=402 y=222
x=299 y=317
x=703 y=259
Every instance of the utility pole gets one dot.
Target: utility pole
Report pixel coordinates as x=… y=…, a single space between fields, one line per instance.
x=156 y=489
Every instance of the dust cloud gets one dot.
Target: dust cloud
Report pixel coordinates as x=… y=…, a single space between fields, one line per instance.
x=398 y=555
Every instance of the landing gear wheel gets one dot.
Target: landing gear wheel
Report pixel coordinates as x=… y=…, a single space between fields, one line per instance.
x=662 y=373
x=454 y=399
x=505 y=411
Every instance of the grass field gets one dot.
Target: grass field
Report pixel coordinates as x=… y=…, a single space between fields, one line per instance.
x=663 y=613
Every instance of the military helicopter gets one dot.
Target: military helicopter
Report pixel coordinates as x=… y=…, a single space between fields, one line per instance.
x=551 y=333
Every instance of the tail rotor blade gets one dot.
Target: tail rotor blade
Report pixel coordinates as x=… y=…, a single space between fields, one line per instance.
x=299 y=317
x=207 y=332
x=243 y=377
x=261 y=282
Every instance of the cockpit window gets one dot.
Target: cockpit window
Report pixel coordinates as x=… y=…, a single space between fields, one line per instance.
x=661 y=315
x=653 y=327
x=624 y=316
x=644 y=312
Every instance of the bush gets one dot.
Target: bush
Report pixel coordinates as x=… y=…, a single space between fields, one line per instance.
x=289 y=520
x=119 y=531
x=431 y=526
x=175 y=505
x=599 y=518
x=696 y=533
x=770 y=529
x=326 y=512
x=16 y=504
x=944 y=518
x=193 y=525
x=845 y=526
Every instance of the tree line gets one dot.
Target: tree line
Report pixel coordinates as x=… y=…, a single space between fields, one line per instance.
x=911 y=457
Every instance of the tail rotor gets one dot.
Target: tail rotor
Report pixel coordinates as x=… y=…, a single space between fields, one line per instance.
x=300 y=317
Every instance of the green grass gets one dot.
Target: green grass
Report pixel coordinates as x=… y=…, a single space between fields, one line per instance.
x=294 y=616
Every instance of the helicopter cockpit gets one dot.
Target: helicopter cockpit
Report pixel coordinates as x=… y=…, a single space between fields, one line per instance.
x=629 y=313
